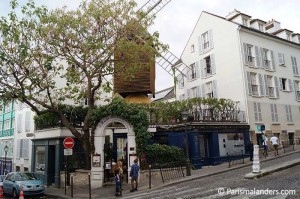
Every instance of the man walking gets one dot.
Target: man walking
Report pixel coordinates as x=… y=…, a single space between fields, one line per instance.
x=265 y=145
x=274 y=141
x=134 y=174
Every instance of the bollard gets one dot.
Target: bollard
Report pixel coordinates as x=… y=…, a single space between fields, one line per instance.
x=149 y=176
x=72 y=186
x=65 y=179
x=90 y=194
x=256 y=163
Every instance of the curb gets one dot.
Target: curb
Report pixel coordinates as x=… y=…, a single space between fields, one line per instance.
x=272 y=170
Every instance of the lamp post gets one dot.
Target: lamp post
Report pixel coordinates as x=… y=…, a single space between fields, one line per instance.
x=5 y=154
x=185 y=118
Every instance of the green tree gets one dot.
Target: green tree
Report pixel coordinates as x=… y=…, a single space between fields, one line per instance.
x=53 y=57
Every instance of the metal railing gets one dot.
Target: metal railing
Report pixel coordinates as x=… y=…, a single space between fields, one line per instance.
x=169 y=171
x=235 y=158
x=254 y=89
x=271 y=92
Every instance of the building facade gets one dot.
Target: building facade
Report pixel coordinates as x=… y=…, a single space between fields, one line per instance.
x=250 y=61
x=7 y=130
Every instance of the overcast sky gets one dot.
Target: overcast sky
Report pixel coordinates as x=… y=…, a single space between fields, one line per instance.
x=177 y=19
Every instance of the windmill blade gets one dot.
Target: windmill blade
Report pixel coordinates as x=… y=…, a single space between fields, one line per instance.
x=153 y=6
x=168 y=62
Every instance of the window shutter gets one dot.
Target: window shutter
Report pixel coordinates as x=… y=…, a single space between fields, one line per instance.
x=214 y=85
x=213 y=63
x=257 y=57
x=276 y=113
x=25 y=147
x=287 y=113
x=27 y=121
x=280 y=83
x=296 y=67
x=273 y=61
x=255 y=112
x=295 y=90
x=188 y=93
x=249 y=83
x=259 y=112
x=19 y=123
x=246 y=61
x=261 y=85
x=203 y=66
x=266 y=85
x=276 y=86
x=203 y=90
x=290 y=111
x=200 y=45
x=211 y=42
x=262 y=58
x=281 y=58
x=291 y=85
x=272 y=113
x=197 y=69
x=199 y=91
x=18 y=148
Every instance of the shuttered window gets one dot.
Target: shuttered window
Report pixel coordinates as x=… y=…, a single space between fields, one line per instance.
x=274 y=113
x=281 y=59
x=257 y=112
x=27 y=121
x=294 y=65
x=288 y=111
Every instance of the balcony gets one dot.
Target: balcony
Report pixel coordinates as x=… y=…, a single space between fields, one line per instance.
x=271 y=92
x=254 y=90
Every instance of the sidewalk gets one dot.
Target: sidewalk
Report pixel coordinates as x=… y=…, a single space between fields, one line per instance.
x=156 y=182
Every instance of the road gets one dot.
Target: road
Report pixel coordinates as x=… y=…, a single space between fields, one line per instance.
x=233 y=185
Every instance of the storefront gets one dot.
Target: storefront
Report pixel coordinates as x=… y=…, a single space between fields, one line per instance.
x=208 y=144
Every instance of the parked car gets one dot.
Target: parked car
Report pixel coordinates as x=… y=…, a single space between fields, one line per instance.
x=1 y=179
x=30 y=183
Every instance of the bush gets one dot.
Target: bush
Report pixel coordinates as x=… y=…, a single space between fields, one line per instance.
x=161 y=154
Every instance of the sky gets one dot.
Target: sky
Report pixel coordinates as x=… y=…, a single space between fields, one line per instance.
x=175 y=22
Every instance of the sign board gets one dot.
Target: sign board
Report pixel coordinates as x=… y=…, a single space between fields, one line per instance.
x=96 y=160
x=68 y=143
x=68 y=151
x=258 y=128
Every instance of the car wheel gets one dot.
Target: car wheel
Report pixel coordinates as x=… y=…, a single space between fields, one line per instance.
x=14 y=193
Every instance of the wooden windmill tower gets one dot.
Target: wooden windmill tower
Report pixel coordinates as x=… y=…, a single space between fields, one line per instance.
x=142 y=83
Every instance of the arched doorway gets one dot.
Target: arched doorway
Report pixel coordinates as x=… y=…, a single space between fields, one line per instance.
x=119 y=133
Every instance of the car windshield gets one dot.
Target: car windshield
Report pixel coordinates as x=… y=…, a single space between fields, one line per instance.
x=27 y=176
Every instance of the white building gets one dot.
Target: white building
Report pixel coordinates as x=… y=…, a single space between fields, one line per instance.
x=250 y=61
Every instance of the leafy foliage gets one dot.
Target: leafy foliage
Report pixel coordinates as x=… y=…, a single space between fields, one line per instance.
x=161 y=154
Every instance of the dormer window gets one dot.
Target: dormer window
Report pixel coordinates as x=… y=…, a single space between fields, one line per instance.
x=245 y=22
x=288 y=36
x=261 y=27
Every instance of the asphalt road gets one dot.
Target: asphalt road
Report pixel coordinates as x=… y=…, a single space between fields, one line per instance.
x=233 y=185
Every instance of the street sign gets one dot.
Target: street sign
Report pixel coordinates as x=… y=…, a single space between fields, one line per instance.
x=68 y=151
x=68 y=143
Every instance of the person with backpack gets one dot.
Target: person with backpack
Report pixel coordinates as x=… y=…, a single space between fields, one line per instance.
x=134 y=174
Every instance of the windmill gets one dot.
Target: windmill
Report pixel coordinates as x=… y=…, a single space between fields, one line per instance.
x=143 y=83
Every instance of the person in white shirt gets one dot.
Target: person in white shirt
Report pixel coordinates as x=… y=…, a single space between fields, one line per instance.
x=274 y=141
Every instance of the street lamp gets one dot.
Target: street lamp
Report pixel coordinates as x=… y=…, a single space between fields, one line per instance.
x=5 y=154
x=185 y=118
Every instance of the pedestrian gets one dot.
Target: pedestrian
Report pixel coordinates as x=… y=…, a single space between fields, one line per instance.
x=134 y=174
x=117 y=179
x=274 y=141
x=250 y=149
x=120 y=166
x=265 y=145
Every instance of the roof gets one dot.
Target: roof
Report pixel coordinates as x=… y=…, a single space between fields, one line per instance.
x=164 y=94
x=259 y=20
x=281 y=30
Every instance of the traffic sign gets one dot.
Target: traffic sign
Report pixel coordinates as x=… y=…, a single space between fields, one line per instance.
x=68 y=151
x=68 y=143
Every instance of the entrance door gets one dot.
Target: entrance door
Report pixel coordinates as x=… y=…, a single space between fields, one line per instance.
x=120 y=150
x=222 y=144
x=51 y=165
x=291 y=138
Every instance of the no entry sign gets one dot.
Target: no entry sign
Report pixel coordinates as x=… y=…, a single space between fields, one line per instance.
x=68 y=143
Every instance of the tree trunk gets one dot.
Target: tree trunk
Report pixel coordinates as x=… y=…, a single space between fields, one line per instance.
x=85 y=142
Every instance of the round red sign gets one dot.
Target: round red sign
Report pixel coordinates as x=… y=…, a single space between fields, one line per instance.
x=68 y=143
